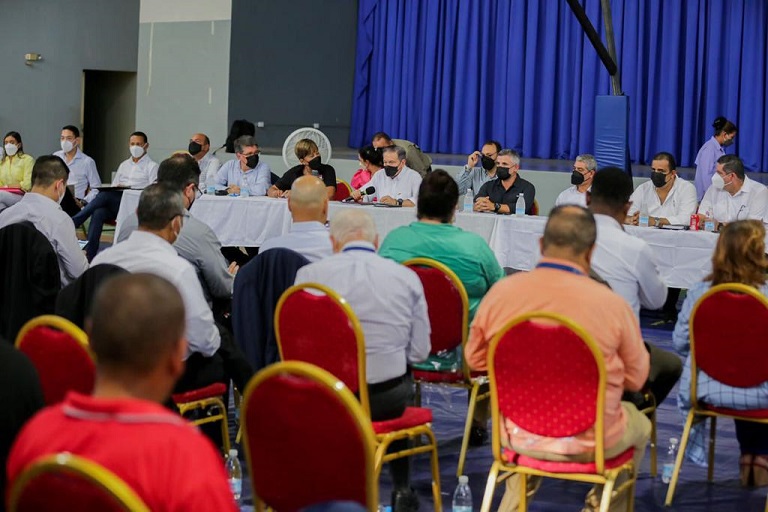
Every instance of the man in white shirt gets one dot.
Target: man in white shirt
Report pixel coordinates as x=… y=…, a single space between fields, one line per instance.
x=82 y=169
x=584 y=169
x=41 y=207
x=308 y=204
x=199 y=148
x=394 y=321
x=628 y=265
x=149 y=249
x=138 y=171
x=398 y=185
x=245 y=172
x=472 y=176
x=666 y=198
x=732 y=195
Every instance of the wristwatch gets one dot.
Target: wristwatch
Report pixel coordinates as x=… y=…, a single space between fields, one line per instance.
x=496 y=207
x=399 y=202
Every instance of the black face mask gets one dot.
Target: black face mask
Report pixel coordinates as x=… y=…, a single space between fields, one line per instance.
x=502 y=173
x=390 y=170
x=487 y=162
x=194 y=148
x=315 y=163
x=658 y=179
x=577 y=178
x=252 y=161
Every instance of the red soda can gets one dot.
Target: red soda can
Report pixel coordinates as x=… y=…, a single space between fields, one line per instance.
x=694 y=225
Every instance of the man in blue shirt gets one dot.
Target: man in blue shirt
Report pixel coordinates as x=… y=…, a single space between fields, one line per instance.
x=245 y=171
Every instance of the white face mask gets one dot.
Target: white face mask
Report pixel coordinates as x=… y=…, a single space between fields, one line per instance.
x=137 y=151
x=67 y=145
x=11 y=149
x=718 y=181
x=63 y=192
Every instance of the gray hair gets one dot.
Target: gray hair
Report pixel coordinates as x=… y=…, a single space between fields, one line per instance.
x=395 y=149
x=570 y=226
x=159 y=204
x=243 y=142
x=352 y=224
x=514 y=154
x=587 y=160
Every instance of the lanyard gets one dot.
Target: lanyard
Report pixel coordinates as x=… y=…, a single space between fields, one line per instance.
x=558 y=266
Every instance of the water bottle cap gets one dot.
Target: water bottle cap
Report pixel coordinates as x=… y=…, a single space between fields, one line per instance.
x=463 y=479
x=233 y=452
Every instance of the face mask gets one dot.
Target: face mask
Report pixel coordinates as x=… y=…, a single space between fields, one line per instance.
x=390 y=170
x=11 y=149
x=252 y=161
x=727 y=142
x=315 y=163
x=658 y=179
x=718 y=182
x=487 y=162
x=194 y=148
x=137 y=151
x=503 y=173
x=67 y=145
x=63 y=193
x=577 y=178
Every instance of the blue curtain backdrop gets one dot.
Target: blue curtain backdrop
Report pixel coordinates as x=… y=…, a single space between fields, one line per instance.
x=449 y=74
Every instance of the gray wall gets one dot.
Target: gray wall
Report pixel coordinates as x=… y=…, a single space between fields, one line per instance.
x=292 y=65
x=71 y=36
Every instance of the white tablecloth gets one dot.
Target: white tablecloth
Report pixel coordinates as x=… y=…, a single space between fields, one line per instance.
x=683 y=257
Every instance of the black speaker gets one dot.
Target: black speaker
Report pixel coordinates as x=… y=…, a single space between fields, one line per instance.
x=239 y=128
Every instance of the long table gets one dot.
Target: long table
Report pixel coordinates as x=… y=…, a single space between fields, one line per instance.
x=683 y=257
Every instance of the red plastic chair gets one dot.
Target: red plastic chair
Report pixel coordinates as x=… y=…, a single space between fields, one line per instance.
x=448 y=309
x=68 y=482
x=536 y=357
x=329 y=335
x=733 y=354
x=343 y=190
x=325 y=450
x=60 y=353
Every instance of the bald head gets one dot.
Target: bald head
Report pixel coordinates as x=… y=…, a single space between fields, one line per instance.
x=308 y=200
x=352 y=225
x=570 y=230
x=136 y=324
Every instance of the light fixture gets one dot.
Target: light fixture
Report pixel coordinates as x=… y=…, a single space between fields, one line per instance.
x=29 y=58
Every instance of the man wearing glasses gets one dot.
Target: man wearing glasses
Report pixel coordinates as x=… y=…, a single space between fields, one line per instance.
x=732 y=195
x=666 y=198
x=584 y=169
x=245 y=175
x=473 y=176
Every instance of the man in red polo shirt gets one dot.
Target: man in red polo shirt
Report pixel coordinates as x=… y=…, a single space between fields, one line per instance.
x=136 y=331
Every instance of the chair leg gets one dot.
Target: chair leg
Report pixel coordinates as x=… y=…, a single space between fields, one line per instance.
x=711 y=457
x=490 y=486
x=417 y=395
x=523 y=493
x=467 y=428
x=680 y=457
x=435 y=472
x=605 y=499
x=654 y=445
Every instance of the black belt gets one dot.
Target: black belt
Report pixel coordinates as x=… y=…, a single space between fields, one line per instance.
x=381 y=387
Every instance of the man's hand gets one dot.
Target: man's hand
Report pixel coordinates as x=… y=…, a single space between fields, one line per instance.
x=273 y=191
x=233 y=189
x=233 y=268
x=660 y=221
x=356 y=195
x=80 y=204
x=483 y=204
x=633 y=220
x=472 y=159
x=388 y=200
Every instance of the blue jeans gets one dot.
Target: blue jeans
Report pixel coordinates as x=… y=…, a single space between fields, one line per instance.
x=103 y=208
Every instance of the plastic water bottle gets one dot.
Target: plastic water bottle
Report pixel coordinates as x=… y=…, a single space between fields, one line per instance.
x=234 y=475
x=709 y=222
x=244 y=192
x=462 y=496
x=520 y=205
x=469 y=201
x=643 y=220
x=669 y=462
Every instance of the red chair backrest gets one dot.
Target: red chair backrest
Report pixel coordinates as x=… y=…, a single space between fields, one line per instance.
x=50 y=491
x=62 y=364
x=316 y=329
x=444 y=306
x=728 y=337
x=342 y=191
x=547 y=379
x=304 y=444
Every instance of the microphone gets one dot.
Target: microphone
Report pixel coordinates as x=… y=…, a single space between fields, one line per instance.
x=367 y=192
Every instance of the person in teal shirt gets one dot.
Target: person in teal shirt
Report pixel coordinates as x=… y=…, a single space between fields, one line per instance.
x=467 y=254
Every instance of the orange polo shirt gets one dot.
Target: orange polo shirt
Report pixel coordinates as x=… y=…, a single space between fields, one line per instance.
x=600 y=311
